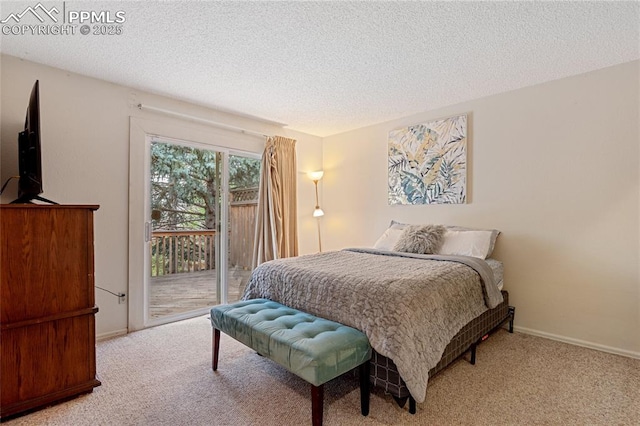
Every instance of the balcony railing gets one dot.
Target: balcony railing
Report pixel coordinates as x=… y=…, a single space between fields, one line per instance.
x=174 y=252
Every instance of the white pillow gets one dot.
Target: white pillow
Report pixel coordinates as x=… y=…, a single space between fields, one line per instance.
x=389 y=238
x=478 y=243
x=467 y=243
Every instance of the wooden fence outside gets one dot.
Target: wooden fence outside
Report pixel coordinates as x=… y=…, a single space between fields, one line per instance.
x=174 y=252
x=242 y=229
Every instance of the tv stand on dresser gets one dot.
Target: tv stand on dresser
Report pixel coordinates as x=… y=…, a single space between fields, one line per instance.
x=47 y=305
x=27 y=199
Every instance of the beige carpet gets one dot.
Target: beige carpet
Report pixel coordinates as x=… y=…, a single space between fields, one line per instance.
x=162 y=376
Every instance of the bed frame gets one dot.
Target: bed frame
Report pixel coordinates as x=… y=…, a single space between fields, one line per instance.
x=384 y=372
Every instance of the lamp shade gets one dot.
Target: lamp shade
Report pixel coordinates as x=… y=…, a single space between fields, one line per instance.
x=315 y=175
x=318 y=212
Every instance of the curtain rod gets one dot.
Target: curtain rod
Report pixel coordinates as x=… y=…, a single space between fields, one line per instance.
x=202 y=120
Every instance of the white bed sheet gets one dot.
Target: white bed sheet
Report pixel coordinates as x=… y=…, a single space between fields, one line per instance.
x=498 y=271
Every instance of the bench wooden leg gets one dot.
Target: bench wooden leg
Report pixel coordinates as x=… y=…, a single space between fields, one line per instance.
x=317 y=396
x=364 y=388
x=216 y=348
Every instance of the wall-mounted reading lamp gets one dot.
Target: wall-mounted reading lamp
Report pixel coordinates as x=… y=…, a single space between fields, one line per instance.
x=318 y=212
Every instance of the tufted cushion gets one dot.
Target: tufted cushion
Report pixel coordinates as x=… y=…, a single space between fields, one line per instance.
x=313 y=348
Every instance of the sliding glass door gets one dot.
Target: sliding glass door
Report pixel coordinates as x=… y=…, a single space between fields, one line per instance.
x=241 y=205
x=200 y=228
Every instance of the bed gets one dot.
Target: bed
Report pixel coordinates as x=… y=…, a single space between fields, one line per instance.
x=384 y=372
x=419 y=311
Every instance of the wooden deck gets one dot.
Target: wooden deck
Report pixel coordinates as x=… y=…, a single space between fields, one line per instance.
x=177 y=293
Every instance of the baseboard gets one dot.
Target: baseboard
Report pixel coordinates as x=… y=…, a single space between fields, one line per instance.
x=578 y=342
x=109 y=335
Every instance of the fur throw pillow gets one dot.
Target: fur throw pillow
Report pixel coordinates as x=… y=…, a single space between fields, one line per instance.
x=421 y=239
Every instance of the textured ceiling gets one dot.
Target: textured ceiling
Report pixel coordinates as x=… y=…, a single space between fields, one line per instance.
x=328 y=67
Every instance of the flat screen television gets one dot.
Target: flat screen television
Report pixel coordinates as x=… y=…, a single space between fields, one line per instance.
x=29 y=156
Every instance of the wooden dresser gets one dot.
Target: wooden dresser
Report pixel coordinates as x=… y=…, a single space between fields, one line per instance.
x=47 y=305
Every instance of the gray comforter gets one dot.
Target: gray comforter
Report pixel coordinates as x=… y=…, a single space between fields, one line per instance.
x=408 y=305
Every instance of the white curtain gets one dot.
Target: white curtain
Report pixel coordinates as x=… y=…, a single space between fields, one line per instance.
x=276 y=217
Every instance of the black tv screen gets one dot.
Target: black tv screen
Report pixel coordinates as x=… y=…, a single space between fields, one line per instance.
x=29 y=156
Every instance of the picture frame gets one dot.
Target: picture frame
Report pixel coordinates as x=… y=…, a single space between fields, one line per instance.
x=427 y=162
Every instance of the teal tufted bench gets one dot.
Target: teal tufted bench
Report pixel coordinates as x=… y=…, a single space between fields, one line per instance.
x=315 y=349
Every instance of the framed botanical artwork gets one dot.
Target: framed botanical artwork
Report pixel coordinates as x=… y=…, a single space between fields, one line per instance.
x=428 y=162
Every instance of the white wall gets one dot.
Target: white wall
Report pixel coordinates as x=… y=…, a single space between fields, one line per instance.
x=555 y=167
x=85 y=159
